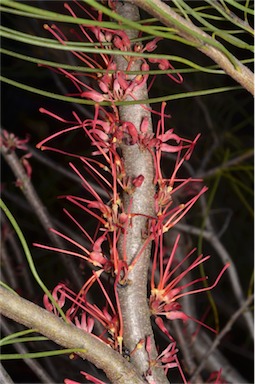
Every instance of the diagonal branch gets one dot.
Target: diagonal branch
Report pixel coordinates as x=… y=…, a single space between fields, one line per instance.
x=116 y=367
x=223 y=332
x=33 y=199
x=194 y=34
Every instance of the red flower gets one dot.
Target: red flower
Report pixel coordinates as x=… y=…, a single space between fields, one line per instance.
x=12 y=142
x=166 y=292
x=167 y=359
x=216 y=378
x=164 y=65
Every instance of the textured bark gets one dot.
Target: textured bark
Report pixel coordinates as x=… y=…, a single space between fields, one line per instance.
x=133 y=297
x=118 y=370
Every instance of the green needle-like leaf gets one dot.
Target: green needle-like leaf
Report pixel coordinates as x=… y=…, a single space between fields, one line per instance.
x=177 y=96
x=197 y=68
x=29 y=256
x=8 y=339
x=36 y=355
x=24 y=340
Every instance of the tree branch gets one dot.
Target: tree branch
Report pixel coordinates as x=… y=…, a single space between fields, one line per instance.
x=40 y=210
x=133 y=297
x=34 y=365
x=118 y=370
x=223 y=332
x=168 y=17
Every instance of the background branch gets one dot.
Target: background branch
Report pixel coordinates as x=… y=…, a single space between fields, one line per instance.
x=40 y=210
x=185 y=28
x=223 y=332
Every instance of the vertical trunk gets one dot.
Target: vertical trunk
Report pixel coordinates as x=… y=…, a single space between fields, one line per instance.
x=133 y=297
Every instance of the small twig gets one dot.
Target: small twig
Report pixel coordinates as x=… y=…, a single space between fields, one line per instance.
x=225 y=258
x=16 y=254
x=6 y=264
x=216 y=360
x=185 y=28
x=184 y=341
x=4 y=377
x=237 y=160
x=41 y=212
x=42 y=158
x=223 y=332
x=210 y=236
x=34 y=365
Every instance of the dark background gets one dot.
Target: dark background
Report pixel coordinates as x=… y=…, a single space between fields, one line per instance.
x=225 y=122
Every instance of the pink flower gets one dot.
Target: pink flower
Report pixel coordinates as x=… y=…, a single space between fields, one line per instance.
x=167 y=359
x=92 y=378
x=165 y=65
x=152 y=45
x=121 y=41
x=68 y=381
x=138 y=181
x=26 y=164
x=58 y=296
x=216 y=378
x=166 y=291
x=94 y=95
x=86 y=323
x=87 y=377
x=97 y=254
x=12 y=142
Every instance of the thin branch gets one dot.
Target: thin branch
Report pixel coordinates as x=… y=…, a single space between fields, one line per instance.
x=185 y=28
x=184 y=343
x=41 y=212
x=42 y=158
x=225 y=258
x=6 y=264
x=116 y=367
x=4 y=377
x=34 y=365
x=237 y=160
x=13 y=249
x=216 y=360
x=223 y=332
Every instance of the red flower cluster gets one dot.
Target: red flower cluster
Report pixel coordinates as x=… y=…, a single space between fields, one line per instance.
x=107 y=134
x=11 y=142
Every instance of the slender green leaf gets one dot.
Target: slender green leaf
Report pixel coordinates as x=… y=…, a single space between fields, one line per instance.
x=24 y=340
x=182 y=27
x=36 y=355
x=212 y=28
x=16 y=335
x=34 y=12
x=7 y=287
x=197 y=68
x=70 y=46
x=230 y=16
x=242 y=198
x=42 y=14
x=29 y=256
x=238 y=5
x=177 y=96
